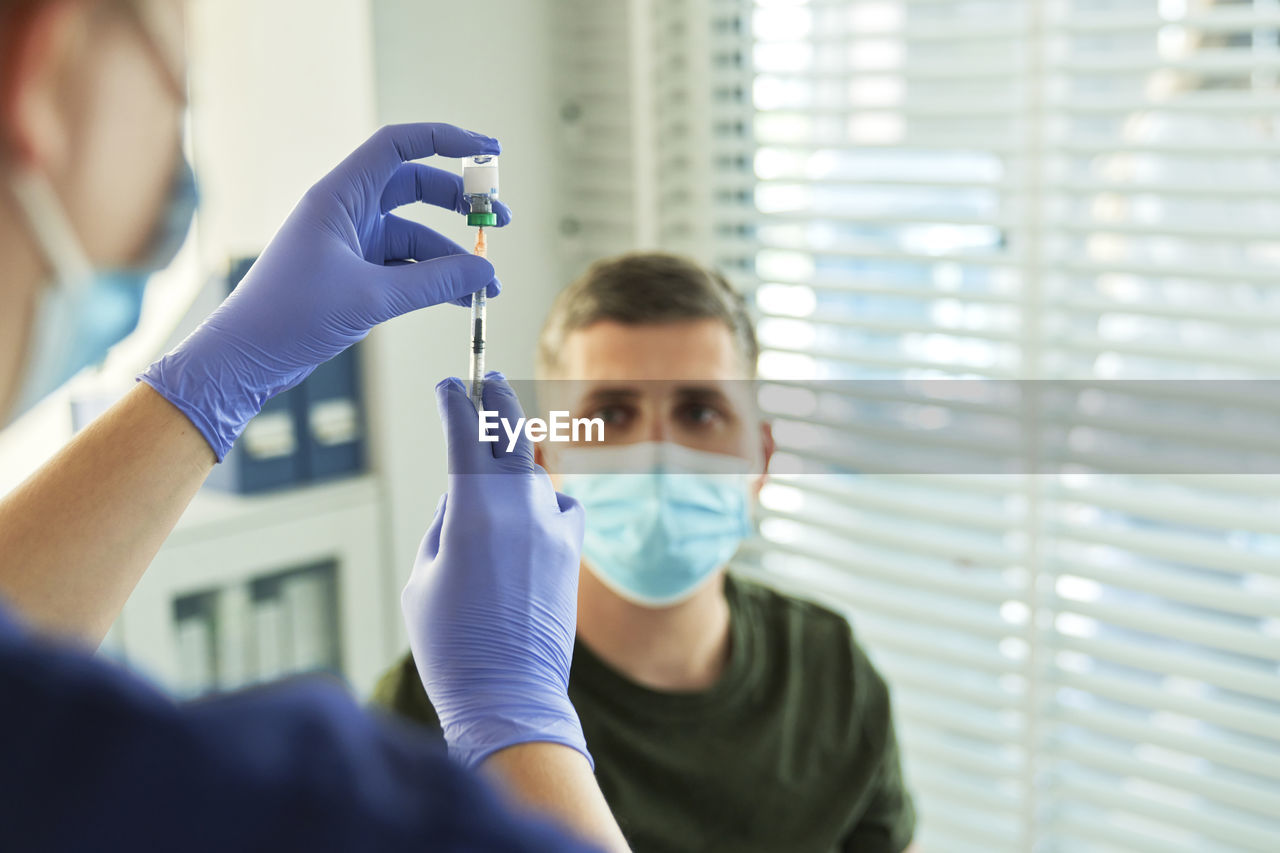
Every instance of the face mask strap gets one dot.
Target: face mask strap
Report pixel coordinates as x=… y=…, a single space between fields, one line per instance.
x=51 y=228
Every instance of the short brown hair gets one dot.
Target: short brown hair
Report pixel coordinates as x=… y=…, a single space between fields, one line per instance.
x=643 y=288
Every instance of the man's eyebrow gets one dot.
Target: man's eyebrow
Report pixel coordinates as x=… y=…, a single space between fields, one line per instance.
x=701 y=391
x=610 y=395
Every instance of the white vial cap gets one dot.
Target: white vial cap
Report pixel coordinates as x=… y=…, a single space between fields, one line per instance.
x=480 y=176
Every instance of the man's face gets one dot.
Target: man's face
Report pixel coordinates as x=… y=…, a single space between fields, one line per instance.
x=682 y=382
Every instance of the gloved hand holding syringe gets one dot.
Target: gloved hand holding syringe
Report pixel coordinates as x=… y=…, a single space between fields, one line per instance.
x=480 y=189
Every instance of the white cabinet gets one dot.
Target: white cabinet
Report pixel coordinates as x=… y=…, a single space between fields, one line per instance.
x=253 y=588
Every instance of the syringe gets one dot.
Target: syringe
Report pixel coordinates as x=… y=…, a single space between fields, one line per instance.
x=477 y=333
x=480 y=188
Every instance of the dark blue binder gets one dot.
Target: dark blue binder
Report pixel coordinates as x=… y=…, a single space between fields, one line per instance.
x=333 y=426
x=315 y=431
x=271 y=453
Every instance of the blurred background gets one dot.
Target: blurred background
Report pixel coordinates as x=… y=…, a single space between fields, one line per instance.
x=908 y=189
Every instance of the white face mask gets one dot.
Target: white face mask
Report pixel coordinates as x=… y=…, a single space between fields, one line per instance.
x=661 y=518
x=84 y=312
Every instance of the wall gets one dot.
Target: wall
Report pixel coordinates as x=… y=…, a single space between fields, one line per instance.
x=282 y=91
x=490 y=72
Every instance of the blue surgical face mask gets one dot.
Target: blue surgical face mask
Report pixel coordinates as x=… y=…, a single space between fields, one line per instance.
x=82 y=312
x=660 y=518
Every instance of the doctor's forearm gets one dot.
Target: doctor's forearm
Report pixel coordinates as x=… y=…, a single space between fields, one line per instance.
x=557 y=781
x=76 y=537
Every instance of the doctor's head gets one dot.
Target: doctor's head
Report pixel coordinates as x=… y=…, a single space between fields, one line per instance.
x=663 y=352
x=92 y=95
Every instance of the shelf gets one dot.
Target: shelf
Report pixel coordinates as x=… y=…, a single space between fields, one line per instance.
x=227 y=546
x=214 y=514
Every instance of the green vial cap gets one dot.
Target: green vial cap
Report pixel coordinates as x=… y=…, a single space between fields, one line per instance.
x=482 y=219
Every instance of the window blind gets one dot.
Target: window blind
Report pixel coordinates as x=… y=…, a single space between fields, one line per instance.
x=1004 y=191
x=656 y=133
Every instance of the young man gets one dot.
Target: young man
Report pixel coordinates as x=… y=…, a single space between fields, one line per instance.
x=722 y=715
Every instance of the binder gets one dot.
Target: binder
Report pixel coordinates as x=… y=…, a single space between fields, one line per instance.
x=196 y=636
x=311 y=620
x=332 y=424
x=268 y=640
x=313 y=432
x=269 y=454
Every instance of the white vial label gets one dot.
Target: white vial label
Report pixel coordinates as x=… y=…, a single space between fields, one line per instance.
x=480 y=176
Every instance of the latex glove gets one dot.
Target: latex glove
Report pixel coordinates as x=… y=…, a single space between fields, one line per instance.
x=492 y=604
x=338 y=267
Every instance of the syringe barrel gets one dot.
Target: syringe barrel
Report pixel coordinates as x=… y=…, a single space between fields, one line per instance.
x=477 y=348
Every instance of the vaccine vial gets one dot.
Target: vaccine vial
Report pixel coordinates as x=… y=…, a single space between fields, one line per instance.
x=480 y=189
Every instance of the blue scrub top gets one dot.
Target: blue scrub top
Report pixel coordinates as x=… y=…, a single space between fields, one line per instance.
x=93 y=758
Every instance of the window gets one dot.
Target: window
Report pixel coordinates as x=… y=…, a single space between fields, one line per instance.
x=1066 y=199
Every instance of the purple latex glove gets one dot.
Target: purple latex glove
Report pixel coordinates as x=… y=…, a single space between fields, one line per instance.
x=340 y=265
x=492 y=604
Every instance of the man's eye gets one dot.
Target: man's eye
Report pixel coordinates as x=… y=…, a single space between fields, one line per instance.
x=700 y=415
x=613 y=415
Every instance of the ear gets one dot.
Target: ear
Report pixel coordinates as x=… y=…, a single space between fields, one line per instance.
x=768 y=446
x=40 y=43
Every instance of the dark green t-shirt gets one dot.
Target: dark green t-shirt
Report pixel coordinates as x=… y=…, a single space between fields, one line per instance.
x=791 y=750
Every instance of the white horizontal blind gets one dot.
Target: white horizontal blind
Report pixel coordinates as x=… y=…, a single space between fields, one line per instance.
x=1161 y=258
x=890 y=136
x=600 y=201
x=1035 y=189
x=655 y=117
